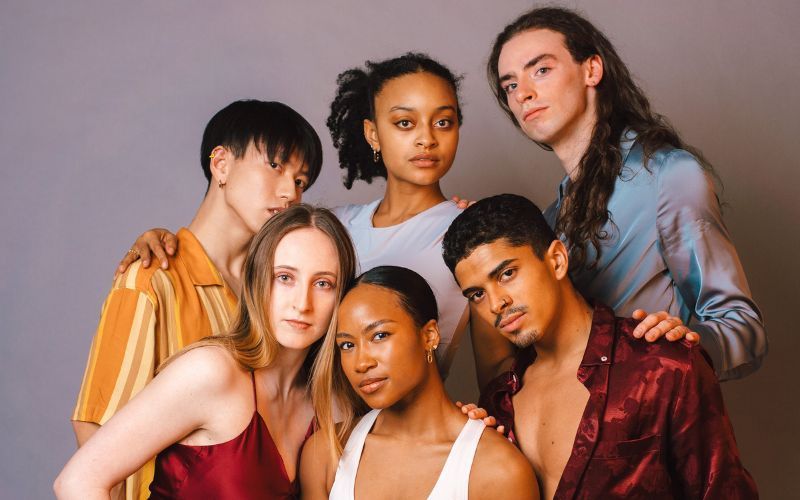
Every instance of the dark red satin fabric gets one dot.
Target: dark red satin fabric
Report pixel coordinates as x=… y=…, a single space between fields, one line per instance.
x=248 y=466
x=654 y=427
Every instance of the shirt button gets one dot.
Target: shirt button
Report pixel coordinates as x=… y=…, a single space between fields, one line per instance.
x=604 y=358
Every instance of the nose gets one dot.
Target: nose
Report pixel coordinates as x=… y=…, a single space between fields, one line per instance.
x=302 y=298
x=426 y=138
x=287 y=189
x=364 y=360
x=500 y=303
x=525 y=90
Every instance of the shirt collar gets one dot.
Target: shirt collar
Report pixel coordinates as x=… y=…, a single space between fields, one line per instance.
x=599 y=347
x=199 y=266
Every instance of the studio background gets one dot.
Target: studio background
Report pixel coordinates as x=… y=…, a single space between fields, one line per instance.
x=103 y=106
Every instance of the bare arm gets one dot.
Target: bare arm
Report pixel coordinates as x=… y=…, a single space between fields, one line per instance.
x=83 y=431
x=180 y=400
x=317 y=468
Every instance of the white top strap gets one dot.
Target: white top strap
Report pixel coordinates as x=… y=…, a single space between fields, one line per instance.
x=344 y=484
x=453 y=482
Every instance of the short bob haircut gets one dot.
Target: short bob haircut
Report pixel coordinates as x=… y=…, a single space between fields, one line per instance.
x=270 y=126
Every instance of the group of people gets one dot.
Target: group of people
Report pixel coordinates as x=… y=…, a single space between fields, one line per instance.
x=282 y=373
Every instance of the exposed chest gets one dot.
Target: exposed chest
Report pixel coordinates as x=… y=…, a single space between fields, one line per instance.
x=547 y=412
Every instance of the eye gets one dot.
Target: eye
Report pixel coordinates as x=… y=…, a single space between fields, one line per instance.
x=283 y=278
x=511 y=87
x=346 y=346
x=403 y=123
x=325 y=284
x=444 y=123
x=476 y=297
x=507 y=274
x=275 y=165
x=542 y=71
x=301 y=183
x=380 y=335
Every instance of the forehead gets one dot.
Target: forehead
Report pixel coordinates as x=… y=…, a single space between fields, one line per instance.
x=415 y=90
x=307 y=249
x=367 y=303
x=485 y=258
x=523 y=47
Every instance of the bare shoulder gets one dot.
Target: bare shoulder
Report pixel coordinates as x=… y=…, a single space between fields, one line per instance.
x=497 y=458
x=205 y=370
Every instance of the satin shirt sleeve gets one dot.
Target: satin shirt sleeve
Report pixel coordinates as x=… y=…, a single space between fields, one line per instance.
x=702 y=260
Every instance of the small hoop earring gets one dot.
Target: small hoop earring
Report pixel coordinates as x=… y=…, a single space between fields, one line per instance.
x=220 y=184
x=376 y=155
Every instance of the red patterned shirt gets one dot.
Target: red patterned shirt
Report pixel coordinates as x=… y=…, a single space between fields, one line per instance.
x=654 y=427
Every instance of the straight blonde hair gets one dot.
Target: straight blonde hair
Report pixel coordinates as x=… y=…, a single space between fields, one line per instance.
x=250 y=339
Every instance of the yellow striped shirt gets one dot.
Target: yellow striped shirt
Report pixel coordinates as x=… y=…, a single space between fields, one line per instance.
x=149 y=315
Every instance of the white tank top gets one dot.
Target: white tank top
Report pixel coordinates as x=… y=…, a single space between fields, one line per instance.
x=453 y=481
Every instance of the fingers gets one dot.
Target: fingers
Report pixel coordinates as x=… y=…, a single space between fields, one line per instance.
x=682 y=332
x=501 y=429
x=639 y=314
x=693 y=337
x=489 y=421
x=170 y=242
x=125 y=263
x=662 y=328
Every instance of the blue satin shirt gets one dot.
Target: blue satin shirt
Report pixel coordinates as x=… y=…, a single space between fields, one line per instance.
x=668 y=249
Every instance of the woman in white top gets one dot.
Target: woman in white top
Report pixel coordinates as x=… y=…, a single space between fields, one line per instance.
x=414 y=443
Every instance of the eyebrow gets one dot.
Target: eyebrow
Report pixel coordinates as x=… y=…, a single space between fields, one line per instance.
x=406 y=108
x=290 y=268
x=529 y=64
x=492 y=275
x=369 y=327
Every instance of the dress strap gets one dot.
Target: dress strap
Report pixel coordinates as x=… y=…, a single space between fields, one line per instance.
x=255 y=396
x=453 y=482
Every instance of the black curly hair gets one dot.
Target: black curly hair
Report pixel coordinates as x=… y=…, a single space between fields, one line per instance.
x=506 y=216
x=355 y=102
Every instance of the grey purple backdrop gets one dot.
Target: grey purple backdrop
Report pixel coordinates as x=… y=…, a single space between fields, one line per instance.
x=103 y=105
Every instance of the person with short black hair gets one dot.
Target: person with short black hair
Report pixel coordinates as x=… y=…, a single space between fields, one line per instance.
x=597 y=412
x=258 y=157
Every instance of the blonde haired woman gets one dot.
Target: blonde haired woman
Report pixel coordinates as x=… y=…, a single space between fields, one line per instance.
x=228 y=416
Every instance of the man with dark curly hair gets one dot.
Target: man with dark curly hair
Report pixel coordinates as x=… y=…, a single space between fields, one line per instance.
x=637 y=207
x=594 y=410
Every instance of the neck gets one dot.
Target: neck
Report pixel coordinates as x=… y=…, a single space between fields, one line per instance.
x=403 y=200
x=568 y=335
x=223 y=235
x=423 y=414
x=573 y=145
x=282 y=377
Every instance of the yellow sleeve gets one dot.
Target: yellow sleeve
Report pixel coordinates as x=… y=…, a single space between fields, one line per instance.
x=122 y=357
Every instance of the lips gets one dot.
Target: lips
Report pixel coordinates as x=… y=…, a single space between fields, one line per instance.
x=533 y=113
x=424 y=160
x=297 y=324
x=511 y=322
x=370 y=385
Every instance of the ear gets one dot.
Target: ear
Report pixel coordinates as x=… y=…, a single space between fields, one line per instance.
x=558 y=257
x=221 y=159
x=430 y=334
x=593 y=68
x=371 y=134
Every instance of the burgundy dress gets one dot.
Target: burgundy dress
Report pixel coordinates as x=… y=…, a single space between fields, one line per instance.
x=246 y=467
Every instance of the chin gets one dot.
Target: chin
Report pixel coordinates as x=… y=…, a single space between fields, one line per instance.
x=296 y=341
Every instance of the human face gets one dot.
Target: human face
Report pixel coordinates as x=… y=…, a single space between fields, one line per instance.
x=512 y=289
x=256 y=187
x=550 y=94
x=415 y=128
x=382 y=351
x=305 y=276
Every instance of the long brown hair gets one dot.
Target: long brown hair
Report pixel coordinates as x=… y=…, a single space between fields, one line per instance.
x=250 y=339
x=621 y=104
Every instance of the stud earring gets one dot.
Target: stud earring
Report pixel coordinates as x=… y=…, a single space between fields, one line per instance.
x=220 y=184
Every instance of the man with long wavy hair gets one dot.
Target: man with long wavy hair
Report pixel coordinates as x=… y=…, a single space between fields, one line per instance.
x=637 y=207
